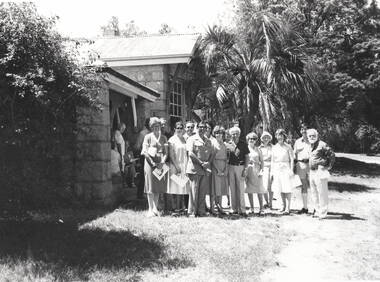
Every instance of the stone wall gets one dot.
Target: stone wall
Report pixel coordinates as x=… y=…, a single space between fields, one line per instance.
x=154 y=77
x=93 y=174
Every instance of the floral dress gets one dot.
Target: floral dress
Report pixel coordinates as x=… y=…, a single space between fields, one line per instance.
x=219 y=182
x=254 y=181
x=156 y=148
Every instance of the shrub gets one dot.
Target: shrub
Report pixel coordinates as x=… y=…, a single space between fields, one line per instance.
x=41 y=84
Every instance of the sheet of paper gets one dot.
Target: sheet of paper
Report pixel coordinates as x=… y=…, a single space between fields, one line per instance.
x=160 y=173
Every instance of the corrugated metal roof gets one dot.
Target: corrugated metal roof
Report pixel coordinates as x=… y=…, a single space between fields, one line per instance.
x=151 y=46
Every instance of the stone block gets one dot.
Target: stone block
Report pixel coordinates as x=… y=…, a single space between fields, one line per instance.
x=87 y=170
x=156 y=85
x=104 y=193
x=98 y=151
x=92 y=116
x=93 y=133
x=157 y=76
x=95 y=193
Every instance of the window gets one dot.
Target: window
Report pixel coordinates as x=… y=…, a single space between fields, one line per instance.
x=176 y=100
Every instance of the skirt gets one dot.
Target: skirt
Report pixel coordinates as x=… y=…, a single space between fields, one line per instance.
x=282 y=178
x=152 y=184
x=254 y=181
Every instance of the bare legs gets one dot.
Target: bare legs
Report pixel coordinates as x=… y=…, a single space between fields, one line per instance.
x=153 y=203
x=250 y=198
x=260 y=197
x=305 y=186
x=286 y=199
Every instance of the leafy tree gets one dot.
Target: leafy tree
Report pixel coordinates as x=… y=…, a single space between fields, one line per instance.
x=112 y=28
x=165 y=29
x=261 y=66
x=343 y=38
x=41 y=85
x=131 y=29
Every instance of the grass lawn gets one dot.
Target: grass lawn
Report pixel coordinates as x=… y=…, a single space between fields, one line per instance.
x=125 y=245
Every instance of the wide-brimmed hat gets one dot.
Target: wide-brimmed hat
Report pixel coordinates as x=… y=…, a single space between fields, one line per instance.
x=265 y=133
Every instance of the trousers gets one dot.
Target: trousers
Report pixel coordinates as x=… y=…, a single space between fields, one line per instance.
x=319 y=190
x=236 y=182
x=199 y=185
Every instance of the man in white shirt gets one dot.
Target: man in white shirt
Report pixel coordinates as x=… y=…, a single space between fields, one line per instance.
x=189 y=128
x=301 y=157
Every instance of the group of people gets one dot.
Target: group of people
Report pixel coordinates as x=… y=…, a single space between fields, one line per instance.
x=217 y=162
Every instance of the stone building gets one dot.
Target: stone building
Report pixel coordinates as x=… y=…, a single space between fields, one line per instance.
x=144 y=76
x=159 y=62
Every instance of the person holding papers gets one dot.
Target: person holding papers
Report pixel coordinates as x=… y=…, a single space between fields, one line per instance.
x=155 y=150
x=178 y=183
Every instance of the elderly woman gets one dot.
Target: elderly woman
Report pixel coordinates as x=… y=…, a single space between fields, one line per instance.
x=282 y=170
x=177 y=164
x=237 y=150
x=155 y=150
x=266 y=151
x=254 y=171
x=219 y=167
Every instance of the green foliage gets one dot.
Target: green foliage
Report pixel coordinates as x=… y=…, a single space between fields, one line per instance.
x=112 y=28
x=369 y=138
x=41 y=84
x=262 y=66
x=343 y=37
x=165 y=29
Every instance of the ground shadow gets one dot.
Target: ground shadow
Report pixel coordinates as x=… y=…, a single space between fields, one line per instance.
x=63 y=248
x=343 y=216
x=355 y=168
x=348 y=187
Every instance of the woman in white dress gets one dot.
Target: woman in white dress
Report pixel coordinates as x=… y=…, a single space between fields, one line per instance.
x=282 y=170
x=266 y=151
x=219 y=167
x=254 y=170
x=177 y=165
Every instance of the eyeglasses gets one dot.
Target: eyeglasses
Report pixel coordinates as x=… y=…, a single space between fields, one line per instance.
x=179 y=127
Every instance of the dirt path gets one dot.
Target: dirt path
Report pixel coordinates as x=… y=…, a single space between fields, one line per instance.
x=346 y=246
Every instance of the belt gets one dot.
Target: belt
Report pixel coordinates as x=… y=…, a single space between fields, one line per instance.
x=303 y=161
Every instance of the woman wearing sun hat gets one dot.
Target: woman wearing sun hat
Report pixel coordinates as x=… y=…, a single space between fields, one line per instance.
x=266 y=151
x=155 y=150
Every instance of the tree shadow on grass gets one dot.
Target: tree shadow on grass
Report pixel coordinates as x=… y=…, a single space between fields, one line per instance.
x=355 y=168
x=349 y=187
x=343 y=216
x=67 y=251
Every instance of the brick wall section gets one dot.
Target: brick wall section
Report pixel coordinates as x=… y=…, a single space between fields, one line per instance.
x=152 y=76
x=93 y=175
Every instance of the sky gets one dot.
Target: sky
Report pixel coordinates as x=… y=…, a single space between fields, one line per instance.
x=84 y=18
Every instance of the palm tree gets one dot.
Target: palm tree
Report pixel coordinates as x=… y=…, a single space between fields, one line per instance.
x=261 y=66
